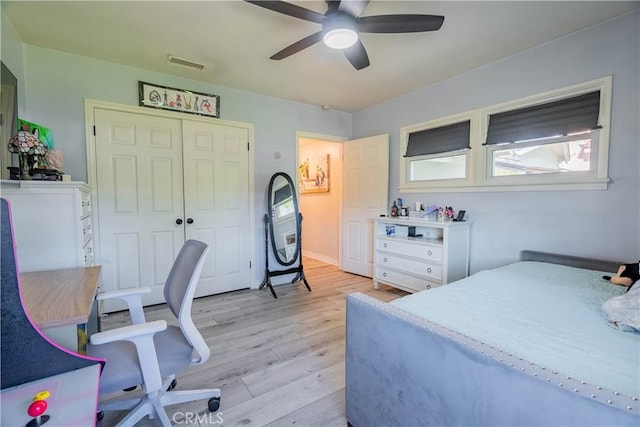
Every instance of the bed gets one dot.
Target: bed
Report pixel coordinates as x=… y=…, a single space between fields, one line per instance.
x=521 y=345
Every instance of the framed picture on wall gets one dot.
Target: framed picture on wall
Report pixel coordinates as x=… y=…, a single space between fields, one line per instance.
x=313 y=174
x=182 y=100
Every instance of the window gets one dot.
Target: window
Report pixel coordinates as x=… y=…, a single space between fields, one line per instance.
x=552 y=155
x=554 y=140
x=437 y=152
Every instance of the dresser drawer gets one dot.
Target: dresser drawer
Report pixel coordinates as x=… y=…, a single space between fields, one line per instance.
x=392 y=277
x=422 y=268
x=85 y=204
x=88 y=254
x=413 y=249
x=86 y=230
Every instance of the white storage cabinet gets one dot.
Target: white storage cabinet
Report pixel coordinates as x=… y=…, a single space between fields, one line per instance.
x=52 y=224
x=436 y=254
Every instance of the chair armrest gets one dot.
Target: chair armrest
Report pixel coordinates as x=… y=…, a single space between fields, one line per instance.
x=141 y=336
x=133 y=298
x=128 y=333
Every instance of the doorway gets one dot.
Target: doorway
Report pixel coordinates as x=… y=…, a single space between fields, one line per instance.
x=319 y=182
x=338 y=207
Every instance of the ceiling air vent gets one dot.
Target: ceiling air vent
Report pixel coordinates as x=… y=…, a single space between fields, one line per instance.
x=184 y=63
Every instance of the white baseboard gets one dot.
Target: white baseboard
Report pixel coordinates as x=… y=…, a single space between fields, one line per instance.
x=321 y=258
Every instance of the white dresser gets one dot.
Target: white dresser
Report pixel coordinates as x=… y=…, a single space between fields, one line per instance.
x=414 y=255
x=52 y=231
x=52 y=223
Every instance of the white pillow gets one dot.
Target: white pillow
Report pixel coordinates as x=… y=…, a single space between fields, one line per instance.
x=623 y=312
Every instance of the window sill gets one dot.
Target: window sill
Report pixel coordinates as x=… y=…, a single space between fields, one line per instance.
x=592 y=184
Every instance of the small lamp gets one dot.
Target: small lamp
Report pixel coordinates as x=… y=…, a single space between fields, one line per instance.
x=28 y=148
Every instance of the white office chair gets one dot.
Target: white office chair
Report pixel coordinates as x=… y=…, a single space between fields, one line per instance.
x=151 y=353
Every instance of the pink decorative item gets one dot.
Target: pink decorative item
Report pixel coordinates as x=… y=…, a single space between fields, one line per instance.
x=55 y=159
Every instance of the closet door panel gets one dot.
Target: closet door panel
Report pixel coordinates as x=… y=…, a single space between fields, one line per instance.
x=126 y=272
x=124 y=176
x=232 y=261
x=140 y=197
x=216 y=167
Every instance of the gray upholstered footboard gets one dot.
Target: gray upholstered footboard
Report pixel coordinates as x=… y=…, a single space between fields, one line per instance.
x=402 y=370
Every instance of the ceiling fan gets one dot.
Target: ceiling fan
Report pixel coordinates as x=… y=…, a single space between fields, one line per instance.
x=342 y=23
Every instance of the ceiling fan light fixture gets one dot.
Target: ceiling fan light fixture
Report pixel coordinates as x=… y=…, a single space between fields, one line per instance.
x=340 y=38
x=340 y=30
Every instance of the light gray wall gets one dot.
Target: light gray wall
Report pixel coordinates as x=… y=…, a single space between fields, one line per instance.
x=590 y=223
x=57 y=84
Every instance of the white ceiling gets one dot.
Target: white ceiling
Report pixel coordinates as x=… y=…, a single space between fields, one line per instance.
x=235 y=39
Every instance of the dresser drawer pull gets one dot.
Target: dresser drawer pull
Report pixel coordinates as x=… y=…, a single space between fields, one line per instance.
x=429 y=270
x=384 y=274
x=385 y=259
x=384 y=245
x=429 y=253
x=428 y=286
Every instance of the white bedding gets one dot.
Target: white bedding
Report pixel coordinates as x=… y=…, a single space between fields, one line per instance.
x=545 y=313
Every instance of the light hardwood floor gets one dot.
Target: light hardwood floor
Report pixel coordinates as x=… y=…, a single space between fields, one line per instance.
x=278 y=362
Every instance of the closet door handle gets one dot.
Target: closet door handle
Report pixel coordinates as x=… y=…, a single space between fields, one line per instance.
x=179 y=221
x=189 y=220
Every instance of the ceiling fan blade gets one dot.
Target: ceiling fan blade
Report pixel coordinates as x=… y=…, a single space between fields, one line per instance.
x=298 y=46
x=399 y=23
x=290 y=10
x=357 y=55
x=353 y=7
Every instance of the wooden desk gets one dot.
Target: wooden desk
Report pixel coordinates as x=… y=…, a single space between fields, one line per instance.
x=60 y=301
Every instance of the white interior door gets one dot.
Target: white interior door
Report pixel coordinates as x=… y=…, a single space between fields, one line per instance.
x=365 y=197
x=216 y=190
x=139 y=186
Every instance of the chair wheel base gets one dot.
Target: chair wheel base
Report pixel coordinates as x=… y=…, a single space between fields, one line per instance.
x=99 y=415
x=214 y=404
x=173 y=385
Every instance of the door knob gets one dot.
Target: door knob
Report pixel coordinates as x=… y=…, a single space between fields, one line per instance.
x=179 y=221
x=189 y=220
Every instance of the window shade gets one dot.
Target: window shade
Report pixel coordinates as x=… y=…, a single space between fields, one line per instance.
x=439 y=140
x=282 y=194
x=571 y=115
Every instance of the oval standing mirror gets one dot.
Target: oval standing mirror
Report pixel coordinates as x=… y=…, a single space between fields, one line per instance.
x=284 y=224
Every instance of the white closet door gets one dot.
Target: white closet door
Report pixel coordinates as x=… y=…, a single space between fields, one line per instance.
x=365 y=194
x=216 y=190
x=140 y=197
